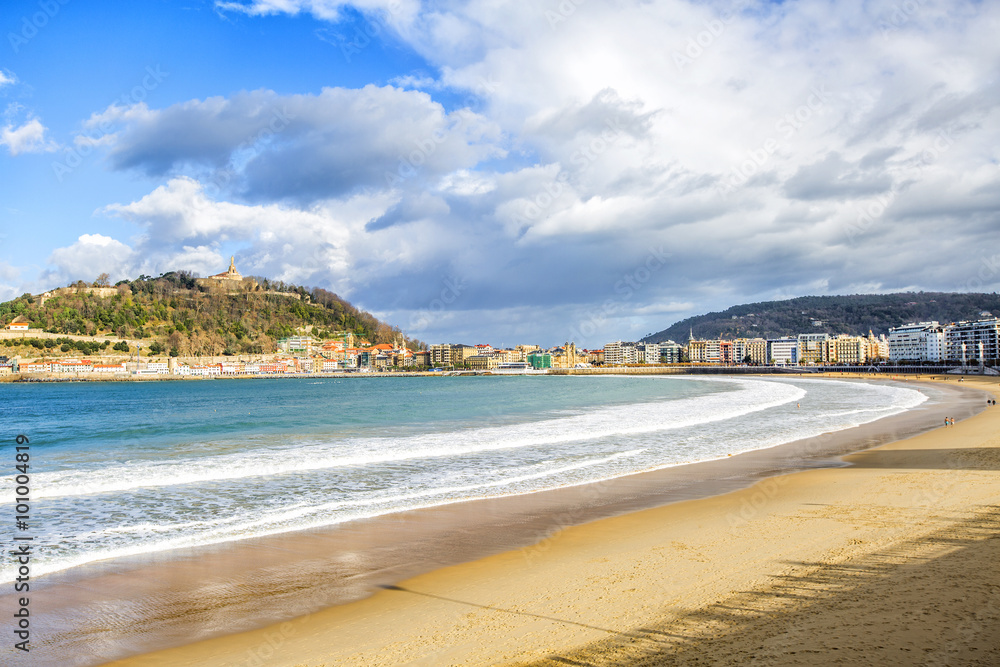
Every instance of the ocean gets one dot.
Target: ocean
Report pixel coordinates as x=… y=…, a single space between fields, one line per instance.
x=120 y=469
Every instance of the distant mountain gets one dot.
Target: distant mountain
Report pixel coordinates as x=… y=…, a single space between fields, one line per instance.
x=855 y=314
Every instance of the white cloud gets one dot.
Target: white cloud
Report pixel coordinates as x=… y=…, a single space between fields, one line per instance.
x=90 y=256
x=328 y=10
x=6 y=78
x=183 y=227
x=9 y=278
x=766 y=156
x=28 y=138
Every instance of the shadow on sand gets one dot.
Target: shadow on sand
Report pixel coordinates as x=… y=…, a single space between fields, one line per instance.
x=933 y=601
x=979 y=458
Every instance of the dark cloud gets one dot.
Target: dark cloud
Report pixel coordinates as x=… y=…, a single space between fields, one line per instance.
x=420 y=207
x=833 y=177
x=266 y=146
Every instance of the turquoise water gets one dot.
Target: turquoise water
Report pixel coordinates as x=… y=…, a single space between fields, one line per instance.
x=127 y=468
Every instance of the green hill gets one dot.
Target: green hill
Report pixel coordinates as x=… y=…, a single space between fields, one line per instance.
x=180 y=316
x=855 y=314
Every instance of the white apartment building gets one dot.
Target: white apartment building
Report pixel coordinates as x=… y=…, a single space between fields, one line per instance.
x=618 y=353
x=783 y=351
x=647 y=353
x=918 y=341
x=973 y=334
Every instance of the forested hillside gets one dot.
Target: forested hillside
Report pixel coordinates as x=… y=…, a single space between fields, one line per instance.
x=854 y=314
x=180 y=317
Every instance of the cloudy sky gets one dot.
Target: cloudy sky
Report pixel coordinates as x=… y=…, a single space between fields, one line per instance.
x=506 y=172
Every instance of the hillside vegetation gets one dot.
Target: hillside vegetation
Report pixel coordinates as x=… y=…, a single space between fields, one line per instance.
x=855 y=314
x=178 y=317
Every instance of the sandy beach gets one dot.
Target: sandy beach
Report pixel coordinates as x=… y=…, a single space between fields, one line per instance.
x=888 y=560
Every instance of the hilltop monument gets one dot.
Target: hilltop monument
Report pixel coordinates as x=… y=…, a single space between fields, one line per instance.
x=229 y=281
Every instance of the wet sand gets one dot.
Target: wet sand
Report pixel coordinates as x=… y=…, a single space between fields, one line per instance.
x=507 y=550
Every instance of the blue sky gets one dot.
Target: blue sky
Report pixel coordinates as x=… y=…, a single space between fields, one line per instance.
x=506 y=172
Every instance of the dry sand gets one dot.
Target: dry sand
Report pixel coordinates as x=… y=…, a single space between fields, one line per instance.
x=892 y=560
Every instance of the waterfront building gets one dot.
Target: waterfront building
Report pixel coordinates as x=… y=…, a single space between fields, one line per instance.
x=753 y=350
x=459 y=353
x=524 y=350
x=671 y=352
x=783 y=351
x=878 y=348
x=726 y=352
x=440 y=355
x=565 y=356
x=812 y=348
x=981 y=341
x=482 y=362
x=35 y=367
x=109 y=368
x=507 y=356
x=704 y=351
x=540 y=360
x=72 y=366
x=846 y=349
x=647 y=353
x=918 y=341
x=619 y=353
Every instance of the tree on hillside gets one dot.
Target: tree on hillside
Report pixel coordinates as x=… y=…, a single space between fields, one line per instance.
x=103 y=280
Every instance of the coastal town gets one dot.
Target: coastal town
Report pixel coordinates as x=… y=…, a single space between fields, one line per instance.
x=958 y=343
x=312 y=350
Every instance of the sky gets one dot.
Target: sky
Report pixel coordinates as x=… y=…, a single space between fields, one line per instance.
x=506 y=172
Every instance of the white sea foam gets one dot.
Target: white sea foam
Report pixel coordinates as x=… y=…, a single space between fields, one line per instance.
x=273 y=522
x=249 y=490
x=752 y=396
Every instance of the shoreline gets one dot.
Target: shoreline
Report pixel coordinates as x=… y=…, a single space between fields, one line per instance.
x=884 y=373
x=647 y=585
x=395 y=547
